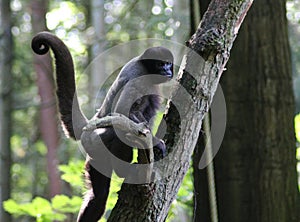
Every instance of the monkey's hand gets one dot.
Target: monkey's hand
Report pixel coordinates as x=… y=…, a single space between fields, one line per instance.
x=159 y=149
x=92 y=125
x=143 y=128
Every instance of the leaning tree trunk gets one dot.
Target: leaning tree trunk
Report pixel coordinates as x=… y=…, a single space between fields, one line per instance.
x=6 y=48
x=256 y=165
x=48 y=112
x=213 y=41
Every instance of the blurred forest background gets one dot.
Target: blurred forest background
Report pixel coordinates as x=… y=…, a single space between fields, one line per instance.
x=43 y=178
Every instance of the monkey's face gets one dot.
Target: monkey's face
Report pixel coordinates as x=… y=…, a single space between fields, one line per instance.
x=164 y=68
x=158 y=61
x=159 y=70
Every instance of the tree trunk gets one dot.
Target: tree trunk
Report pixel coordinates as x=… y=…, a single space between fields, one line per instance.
x=201 y=196
x=98 y=67
x=48 y=111
x=213 y=41
x=6 y=49
x=201 y=188
x=256 y=165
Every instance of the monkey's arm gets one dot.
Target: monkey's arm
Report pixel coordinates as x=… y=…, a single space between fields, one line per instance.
x=111 y=97
x=120 y=122
x=137 y=130
x=71 y=114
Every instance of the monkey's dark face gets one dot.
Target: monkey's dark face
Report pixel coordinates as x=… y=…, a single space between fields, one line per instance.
x=158 y=61
x=164 y=68
x=162 y=71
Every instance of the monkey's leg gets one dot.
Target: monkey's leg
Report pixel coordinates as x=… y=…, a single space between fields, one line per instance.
x=122 y=154
x=95 y=198
x=96 y=144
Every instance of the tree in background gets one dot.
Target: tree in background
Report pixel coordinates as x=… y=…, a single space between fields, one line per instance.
x=293 y=7
x=6 y=49
x=69 y=20
x=257 y=149
x=48 y=120
x=256 y=166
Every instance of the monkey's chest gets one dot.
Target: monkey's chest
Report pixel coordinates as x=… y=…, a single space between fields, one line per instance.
x=147 y=106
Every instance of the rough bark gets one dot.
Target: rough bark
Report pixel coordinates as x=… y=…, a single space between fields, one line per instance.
x=201 y=197
x=48 y=112
x=6 y=48
x=213 y=41
x=256 y=165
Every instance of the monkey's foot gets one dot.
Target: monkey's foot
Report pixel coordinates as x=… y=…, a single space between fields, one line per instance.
x=160 y=150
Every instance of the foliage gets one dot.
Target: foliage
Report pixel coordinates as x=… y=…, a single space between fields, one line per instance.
x=297 y=132
x=72 y=173
x=182 y=208
x=43 y=210
x=28 y=149
x=124 y=20
x=56 y=209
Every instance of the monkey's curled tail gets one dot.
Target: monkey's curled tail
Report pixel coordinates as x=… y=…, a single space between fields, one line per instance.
x=71 y=115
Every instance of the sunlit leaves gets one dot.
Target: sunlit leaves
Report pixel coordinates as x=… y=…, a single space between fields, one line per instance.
x=123 y=21
x=44 y=210
x=39 y=208
x=297 y=127
x=68 y=20
x=66 y=15
x=16 y=5
x=72 y=173
x=297 y=132
x=293 y=12
x=64 y=204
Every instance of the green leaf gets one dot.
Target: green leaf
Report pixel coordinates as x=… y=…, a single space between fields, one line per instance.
x=72 y=173
x=297 y=127
x=64 y=204
x=12 y=207
x=38 y=207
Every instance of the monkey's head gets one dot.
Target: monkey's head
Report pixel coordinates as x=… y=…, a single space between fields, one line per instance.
x=158 y=61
